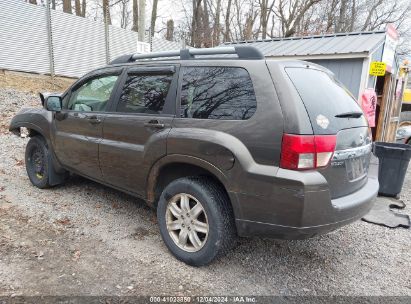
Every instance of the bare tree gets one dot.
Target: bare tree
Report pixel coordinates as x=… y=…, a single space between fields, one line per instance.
x=135 y=16
x=227 y=22
x=266 y=8
x=207 y=37
x=216 y=27
x=32 y=2
x=106 y=12
x=291 y=12
x=83 y=8
x=77 y=6
x=153 y=17
x=125 y=13
x=170 y=30
x=67 y=6
x=195 y=33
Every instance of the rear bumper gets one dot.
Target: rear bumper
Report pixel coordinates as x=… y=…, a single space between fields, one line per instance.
x=299 y=212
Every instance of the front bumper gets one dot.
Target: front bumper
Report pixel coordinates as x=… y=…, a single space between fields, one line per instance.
x=299 y=212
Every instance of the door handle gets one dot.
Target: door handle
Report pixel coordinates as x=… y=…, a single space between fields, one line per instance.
x=154 y=124
x=94 y=120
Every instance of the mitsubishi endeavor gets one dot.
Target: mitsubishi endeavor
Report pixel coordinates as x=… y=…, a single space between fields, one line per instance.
x=221 y=142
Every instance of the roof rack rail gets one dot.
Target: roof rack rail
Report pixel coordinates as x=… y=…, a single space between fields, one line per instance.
x=242 y=52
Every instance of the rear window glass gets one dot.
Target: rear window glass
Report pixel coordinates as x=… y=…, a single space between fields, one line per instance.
x=217 y=93
x=323 y=97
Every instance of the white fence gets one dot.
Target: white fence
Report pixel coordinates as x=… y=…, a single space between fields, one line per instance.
x=78 y=44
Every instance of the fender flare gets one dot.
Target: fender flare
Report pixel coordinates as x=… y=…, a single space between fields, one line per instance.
x=190 y=160
x=14 y=128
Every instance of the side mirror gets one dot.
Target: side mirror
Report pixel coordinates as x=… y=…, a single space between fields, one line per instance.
x=54 y=103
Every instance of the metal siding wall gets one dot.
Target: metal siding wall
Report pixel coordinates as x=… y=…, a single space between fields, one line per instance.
x=23 y=37
x=78 y=43
x=122 y=42
x=348 y=71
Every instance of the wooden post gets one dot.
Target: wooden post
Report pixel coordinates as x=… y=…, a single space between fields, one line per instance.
x=383 y=109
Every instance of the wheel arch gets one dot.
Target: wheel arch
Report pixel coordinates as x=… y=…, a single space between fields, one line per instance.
x=175 y=166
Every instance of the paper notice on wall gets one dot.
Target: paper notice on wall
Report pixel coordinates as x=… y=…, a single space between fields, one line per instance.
x=369 y=104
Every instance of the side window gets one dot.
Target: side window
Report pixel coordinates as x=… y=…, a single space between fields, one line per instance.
x=144 y=94
x=93 y=95
x=217 y=93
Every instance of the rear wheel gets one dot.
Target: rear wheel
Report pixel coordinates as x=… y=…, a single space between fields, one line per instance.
x=37 y=162
x=196 y=220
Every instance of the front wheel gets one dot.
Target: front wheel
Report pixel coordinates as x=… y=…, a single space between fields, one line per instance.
x=196 y=220
x=37 y=162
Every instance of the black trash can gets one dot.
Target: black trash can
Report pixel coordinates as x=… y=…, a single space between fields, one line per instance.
x=393 y=159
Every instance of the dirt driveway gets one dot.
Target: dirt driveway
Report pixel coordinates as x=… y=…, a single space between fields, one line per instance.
x=86 y=239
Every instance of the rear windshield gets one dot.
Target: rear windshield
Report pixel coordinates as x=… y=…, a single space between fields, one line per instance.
x=324 y=97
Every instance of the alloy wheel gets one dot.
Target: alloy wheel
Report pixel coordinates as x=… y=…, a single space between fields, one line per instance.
x=187 y=222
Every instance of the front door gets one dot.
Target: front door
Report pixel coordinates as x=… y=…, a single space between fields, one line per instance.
x=135 y=132
x=79 y=126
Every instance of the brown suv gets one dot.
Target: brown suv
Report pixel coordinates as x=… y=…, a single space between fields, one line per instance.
x=222 y=142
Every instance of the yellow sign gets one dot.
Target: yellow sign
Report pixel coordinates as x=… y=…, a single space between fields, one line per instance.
x=377 y=68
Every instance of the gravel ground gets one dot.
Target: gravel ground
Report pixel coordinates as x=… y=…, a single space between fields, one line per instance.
x=82 y=238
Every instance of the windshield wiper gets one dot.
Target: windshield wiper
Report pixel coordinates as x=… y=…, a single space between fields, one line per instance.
x=349 y=115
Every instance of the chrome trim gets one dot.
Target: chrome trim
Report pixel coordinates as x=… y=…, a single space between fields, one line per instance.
x=352 y=153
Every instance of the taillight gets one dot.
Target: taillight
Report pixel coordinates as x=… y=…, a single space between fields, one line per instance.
x=303 y=152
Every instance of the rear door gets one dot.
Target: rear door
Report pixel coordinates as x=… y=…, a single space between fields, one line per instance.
x=78 y=127
x=333 y=110
x=135 y=131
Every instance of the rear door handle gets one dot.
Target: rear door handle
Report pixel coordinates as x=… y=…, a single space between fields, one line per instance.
x=94 y=120
x=154 y=124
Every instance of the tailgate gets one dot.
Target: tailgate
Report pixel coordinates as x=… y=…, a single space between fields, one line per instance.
x=333 y=110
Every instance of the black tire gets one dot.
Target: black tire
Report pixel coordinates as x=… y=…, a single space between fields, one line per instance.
x=221 y=235
x=38 y=162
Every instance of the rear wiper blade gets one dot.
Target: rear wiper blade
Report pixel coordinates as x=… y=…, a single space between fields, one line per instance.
x=349 y=115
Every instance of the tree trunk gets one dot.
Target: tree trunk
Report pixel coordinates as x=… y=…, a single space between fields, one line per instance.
x=106 y=12
x=53 y=4
x=135 y=16
x=353 y=16
x=77 y=7
x=67 y=7
x=207 y=38
x=83 y=8
x=170 y=30
x=33 y=2
x=227 y=22
x=216 y=31
x=194 y=23
x=124 y=15
x=153 y=17
x=341 y=19
x=263 y=19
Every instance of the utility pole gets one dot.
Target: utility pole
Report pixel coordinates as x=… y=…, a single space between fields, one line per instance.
x=141 y=20
x=107 y=33
x=50 y=40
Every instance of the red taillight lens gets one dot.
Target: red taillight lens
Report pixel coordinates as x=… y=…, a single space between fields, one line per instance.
x=302 y=152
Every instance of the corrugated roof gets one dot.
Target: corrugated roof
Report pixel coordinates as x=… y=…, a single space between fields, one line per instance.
x=332 y=44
